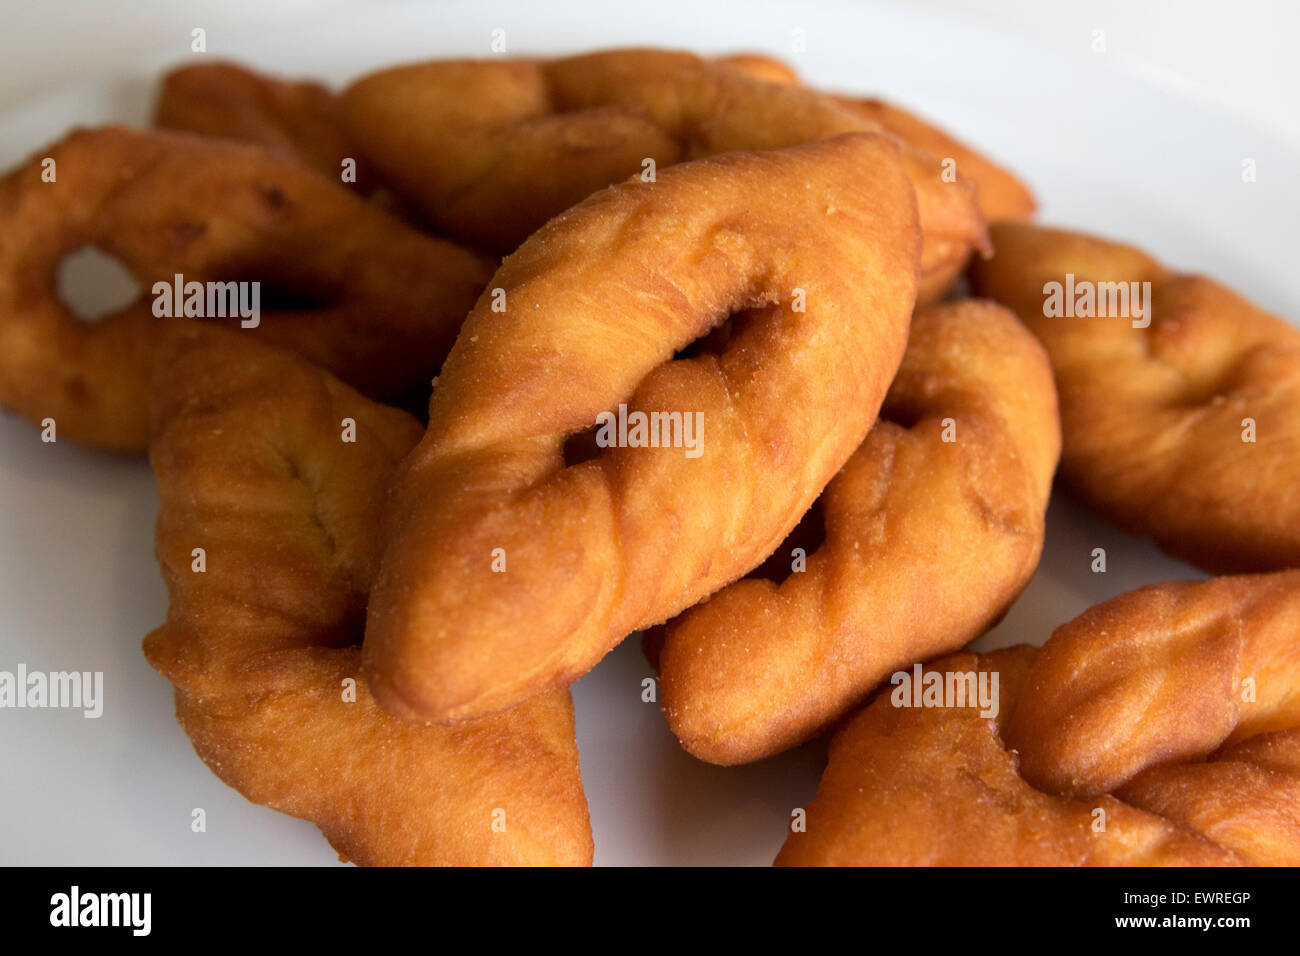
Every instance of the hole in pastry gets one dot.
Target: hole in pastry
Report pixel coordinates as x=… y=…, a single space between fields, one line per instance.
x=276 y=295
x=902 y=414
x=349 y=630
x=717 y=339
x=809 y=534
x=713 y=342
x=94 y=284
x=960 y=289
x=280 y=288
x=581 y=447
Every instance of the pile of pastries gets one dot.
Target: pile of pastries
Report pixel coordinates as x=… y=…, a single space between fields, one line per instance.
x=779 y=378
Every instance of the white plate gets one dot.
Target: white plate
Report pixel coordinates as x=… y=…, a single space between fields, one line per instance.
x=1106 y=150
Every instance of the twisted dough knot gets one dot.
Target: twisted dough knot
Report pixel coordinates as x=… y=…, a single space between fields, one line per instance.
x=815 y=246
x=299 y=118
x=251 y=467
x=932 y=529
x=1162 y=727
x=168 y=204
x=492 y=149
x=1178 y=423
x=1001 y=195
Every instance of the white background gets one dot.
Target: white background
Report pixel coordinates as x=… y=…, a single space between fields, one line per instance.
x=1243 y=52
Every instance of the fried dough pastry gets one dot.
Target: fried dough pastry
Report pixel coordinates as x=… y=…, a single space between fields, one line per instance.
x=508 y=572
x=343 y=284
x=1159 y=728
x=252 y=468
x=491 y=149
x=300 y=118
x=1001 y=195
x=761 y=67
x=927 y=543
x=1156 y=409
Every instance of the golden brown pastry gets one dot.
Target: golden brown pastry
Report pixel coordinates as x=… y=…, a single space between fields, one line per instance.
x=251 y=450
x=761 y=67
x=932 y=529
x=509 y=570
x=340 y=282
x=1159 y=728
x=491 y=149
x=300 y=118
x=1179 y=399
x=1001 y=195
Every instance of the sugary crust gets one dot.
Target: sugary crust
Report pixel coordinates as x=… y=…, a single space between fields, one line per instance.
x=928 y=541
x=300 y=118
x=1154 y=419
x=170 y=203
x=1114 y=701
x=248 y=449
x=491 y=149
x=1001 y=194
x=815 y=247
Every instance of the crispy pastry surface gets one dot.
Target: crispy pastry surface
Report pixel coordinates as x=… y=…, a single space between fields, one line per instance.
x=927 y=543
x=367 y=298
x=761 y=67
x=1001 y=194
x=508 y=572
x=1154 y=418
x=300 y=118
x=491 y=149
x=1132 y=716
x=251 y=467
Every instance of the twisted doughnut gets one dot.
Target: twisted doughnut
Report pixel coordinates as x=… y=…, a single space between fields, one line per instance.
x=382 y=302
x=1155 y=676
x=300 y=118
x=761 y=67
x=928 y=542
x=1127 y=740
x=1154 y=418
x=1001 y=195
x=251 y=468
x=492 y=149
x=815 y=246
